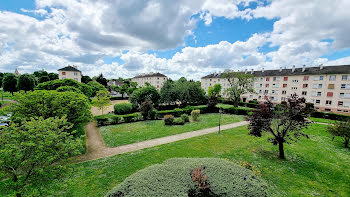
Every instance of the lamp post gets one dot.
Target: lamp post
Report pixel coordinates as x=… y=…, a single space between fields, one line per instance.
x=220 y=111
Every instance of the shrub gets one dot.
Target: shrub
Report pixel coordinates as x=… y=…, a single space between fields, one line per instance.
x=178 y=121
x=115 y=119
x=175 y=112
x=177 y=177
x=202 y=108
x=146 y=108
x=195 y=114
x=185 y=118
x=168 y=119
x=101 y=120
x=131 y=117
x=188 y=109
x=178 y=112
x=153 y=114
x=122 y=108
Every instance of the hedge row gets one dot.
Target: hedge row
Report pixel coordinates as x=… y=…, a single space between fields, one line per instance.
x=331 y=116
x=112 y=119
x=230 y=109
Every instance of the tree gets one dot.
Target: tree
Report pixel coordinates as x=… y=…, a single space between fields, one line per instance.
x=85 y=79
x=101 y=80
x=33 y=152
x=240 y=83
x=9 y=83
x=102 y=99
x=167 y=92
x=284 y=122
x=53 y=85
x=44 y=78
x=214 y=90
x=341 y=129
x=68 y=89
x=1 y=77
x=95 y=86
x=44 y=103
x=146 y=93
x=146 y=109
x=53 y=76
x=25 y=82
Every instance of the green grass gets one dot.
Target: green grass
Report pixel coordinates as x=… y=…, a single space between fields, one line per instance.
x=227 y=106
x=323 y=120
x=128 y=133
x=313 y=167
x=5 y=95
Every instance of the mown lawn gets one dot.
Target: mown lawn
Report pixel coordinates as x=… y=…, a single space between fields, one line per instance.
x=128 y=133
x=313 y=167
x=323 y=120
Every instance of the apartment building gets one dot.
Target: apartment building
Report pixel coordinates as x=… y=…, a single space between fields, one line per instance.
x=155 y=79
x=328 y=87
x=70 y=72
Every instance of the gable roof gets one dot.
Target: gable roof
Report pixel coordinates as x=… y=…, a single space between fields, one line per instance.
x=341 y=69
x=69 y=68
x=150 y=75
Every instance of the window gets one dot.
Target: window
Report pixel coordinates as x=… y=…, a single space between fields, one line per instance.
x=318 y=101
x=347 y=95
x=346 y=104
x=321 y=78
x=267 y=85
x=266 y=91
x=313 y=93
x=259 y=97
x=285 y=78
x=332 y=78
x=306 y=78
x=250 y=96
x=340 y=103
x=258 y=85
x=294 y=88
x=319 y=86
x=330 y=86
x=274 y=91
x=218 y=79
x=284 y=85
x=284 y=92
x=304 y=93
x=344 y=77
x=283 y=98
x=318 y=78
x=329 y=94
x=319 y=93
x=342 y=86
x=276 y=78
x=75 y=74
x=63 y=73
x=327 y=109
x=328 y=102
x=314 y=86
x=339 y=110
x=346 y=111
x=341 y=95
x=295 y=80
x=305 y=85
x=267 y=78
x=275 y=85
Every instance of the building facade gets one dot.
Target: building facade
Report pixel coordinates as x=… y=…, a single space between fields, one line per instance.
x=328 y=87
x=155 y=79
x=70 y=72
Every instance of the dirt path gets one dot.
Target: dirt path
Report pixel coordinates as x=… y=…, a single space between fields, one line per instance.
x=96 y=148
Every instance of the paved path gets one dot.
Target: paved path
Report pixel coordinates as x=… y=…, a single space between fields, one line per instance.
x=96 y=148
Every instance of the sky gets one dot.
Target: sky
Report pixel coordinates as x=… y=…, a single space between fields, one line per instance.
x=194 y=38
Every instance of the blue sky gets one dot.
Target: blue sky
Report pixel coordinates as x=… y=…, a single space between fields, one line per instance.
x=121 y=39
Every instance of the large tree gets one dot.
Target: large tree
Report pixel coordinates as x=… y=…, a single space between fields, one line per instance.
x=102 y=80
x=240 y=83
x=96 y=86
x=284 y=122
x=9 y=82
x=102 y=99
x=146 y=93
x=34 y=151
x=25 y=82
x=44 y=103
x=85 y=79
x=53 y=85
x=214 y=90
x=341 y=129
x=53 y=76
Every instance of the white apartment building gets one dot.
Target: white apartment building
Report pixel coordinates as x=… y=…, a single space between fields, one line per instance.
x=155 y=79
x=70 y=72
x=328 y=87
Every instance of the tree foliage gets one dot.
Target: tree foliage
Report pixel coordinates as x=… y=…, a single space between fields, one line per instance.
x=101 y=80
x=146 y=93
x=240 y=83
x=285 y=122
x=68 y=89
x=25 y=82
x=53 y=76
x=96 y=86
x=53 y=85
x=102 y=99
x=43 y=103
x=341 y=129
x=9 y=83
x=32 y=153
x=214 y=90
x=85 y=79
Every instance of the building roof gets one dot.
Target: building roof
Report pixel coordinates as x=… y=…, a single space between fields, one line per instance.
x=320 y=70
x=150 y=75
x=69 y=68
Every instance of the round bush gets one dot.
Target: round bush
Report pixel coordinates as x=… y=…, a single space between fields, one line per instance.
x=195 y=114
x=185 y=118
x=192 y=177
x=178 y=121
x=123 y=108
x=168 y=119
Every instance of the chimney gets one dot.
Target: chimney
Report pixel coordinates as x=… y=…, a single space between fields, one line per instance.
x=321 y=66
x=293 y=68
x=262 y=70
x=303 y=70
x=246 y=71
x=280 y=69
x=252 y=71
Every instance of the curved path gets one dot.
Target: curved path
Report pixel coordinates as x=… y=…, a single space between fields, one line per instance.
x=96 y=148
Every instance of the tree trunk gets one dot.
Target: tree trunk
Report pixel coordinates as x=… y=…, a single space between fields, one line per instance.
x=346 y=143
x=280 y=146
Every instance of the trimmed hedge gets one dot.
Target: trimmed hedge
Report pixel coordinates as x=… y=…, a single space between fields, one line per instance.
x=168 y=119
x=195 y=114
x=185 y=117
x=112 y=119
x=122 y=108
x=230 y=109
x=174 y=178
x=178 y=121
x=331 y=116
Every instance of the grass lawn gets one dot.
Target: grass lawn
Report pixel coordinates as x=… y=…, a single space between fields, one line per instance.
x=323 y=120
x=128 y=133
x=227 y=106
x=5 y=95
x=314 y=167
